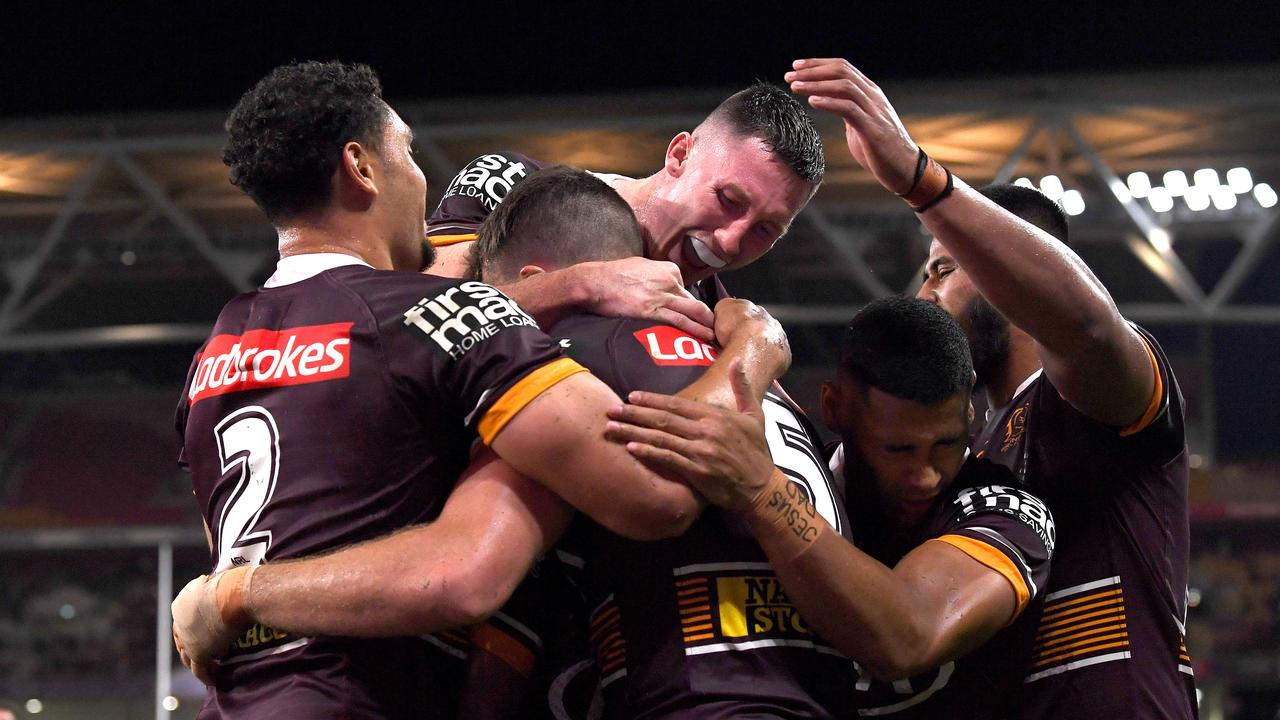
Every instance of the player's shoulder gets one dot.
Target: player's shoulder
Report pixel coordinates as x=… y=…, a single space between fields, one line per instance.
x=477 y=189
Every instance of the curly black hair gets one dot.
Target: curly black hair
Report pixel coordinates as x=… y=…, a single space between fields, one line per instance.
x=285 y=135
x=908 y=348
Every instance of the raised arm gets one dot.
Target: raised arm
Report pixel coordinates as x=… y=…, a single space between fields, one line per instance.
x=1095 y=359
x=936 y=604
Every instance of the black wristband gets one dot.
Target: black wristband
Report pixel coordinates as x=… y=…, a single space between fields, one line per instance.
x=922 y=162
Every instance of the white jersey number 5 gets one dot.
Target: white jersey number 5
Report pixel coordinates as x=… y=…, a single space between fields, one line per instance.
x=248 y=442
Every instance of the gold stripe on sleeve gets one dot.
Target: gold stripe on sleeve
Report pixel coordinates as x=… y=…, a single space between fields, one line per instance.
x=1153 y=407
x=996 y=560
x=506 y=648
x=522 y=393
x=446 y=240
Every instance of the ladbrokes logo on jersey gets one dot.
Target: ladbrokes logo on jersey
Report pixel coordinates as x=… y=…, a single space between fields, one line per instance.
x=669 y=346
x=461 y=317
x=488 y=179
x=272 y=358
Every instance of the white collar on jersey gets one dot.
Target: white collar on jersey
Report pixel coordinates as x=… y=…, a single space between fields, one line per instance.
x=610 y=178
x=991 y=412
x=297 y=268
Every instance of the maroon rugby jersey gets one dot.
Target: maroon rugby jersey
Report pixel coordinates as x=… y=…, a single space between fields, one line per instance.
x=474 y=192
x=1111 y=642
x=336 y=409
x=697 y=626
x=1005 y=528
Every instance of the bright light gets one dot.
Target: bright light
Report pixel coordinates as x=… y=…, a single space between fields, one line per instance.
x=67 y=611
x=1265 y=196
x=1051 y=186
x=1024 y=182
x=1197 y=198
x=169 y=703
x=1120 y=191
x=1176 y=182
x=1072 y=202
x=1160 y=199
x=1207 y=178
x=1223 y=198
x=34 y=706
x=1139 y=184
x=1239 y=180
x=1194 y=597
x=1160 y=239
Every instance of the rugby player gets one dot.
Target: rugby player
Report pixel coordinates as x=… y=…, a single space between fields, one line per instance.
x=340 y=402
x=726 y=192
x=930 y=599
x=1087 y=412
x=692 y=627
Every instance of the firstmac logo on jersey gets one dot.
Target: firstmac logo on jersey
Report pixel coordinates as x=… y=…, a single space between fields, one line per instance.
x=669 y=346
x=1010 y=501
x=272 y=358
x=461 y=317
x=488 y=179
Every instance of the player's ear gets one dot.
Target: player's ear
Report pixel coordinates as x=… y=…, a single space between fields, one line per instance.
x=678 y=154
x=356 y=168
x=529 y=271
x=830 y=400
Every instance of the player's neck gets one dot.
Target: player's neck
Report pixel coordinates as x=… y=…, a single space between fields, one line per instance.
x=327 y=233
x=1021 y=363
x=639 y=194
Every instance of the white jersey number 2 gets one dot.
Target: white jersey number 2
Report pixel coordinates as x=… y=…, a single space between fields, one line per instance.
x=248 y=442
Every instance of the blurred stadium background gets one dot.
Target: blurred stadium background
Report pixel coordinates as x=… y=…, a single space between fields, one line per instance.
x=120 y=238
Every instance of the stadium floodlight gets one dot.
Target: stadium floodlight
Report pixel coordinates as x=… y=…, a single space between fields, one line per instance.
x=1051 y=186
x=1120 y=190
x=1072 y=202
x=1160 y=238
x=1265 y=195
x=1197 y=198
x=1175 y=181
x=1206 y=178
x=1024 y=182
x=1139 y=184
x=1223 y=198
x=1239 y=180
x=1160 y=199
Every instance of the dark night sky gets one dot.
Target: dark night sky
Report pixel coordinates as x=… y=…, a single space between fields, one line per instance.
x=62 y=58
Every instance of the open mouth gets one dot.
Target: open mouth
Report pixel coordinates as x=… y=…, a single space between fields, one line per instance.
x=704 y=254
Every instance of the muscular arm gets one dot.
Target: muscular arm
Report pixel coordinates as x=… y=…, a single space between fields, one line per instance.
x=1094 y=358
x=631 y=287
x=1092 y=355
x=454 y=571
x=935 y=605
x=557 y=437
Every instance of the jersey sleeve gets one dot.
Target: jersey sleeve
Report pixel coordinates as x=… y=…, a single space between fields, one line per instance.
x=474 y=192
x=629 y=354
x=1006 y=529
x=1156 y=438
x=468 y=347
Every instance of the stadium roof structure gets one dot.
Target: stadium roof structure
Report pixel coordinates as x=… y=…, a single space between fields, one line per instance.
x=123 y=230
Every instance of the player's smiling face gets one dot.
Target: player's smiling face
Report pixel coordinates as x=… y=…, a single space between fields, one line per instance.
x=903 y=452
x=726 y=201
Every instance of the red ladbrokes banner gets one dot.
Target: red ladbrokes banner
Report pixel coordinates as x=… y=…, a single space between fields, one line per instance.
x=272 y=358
